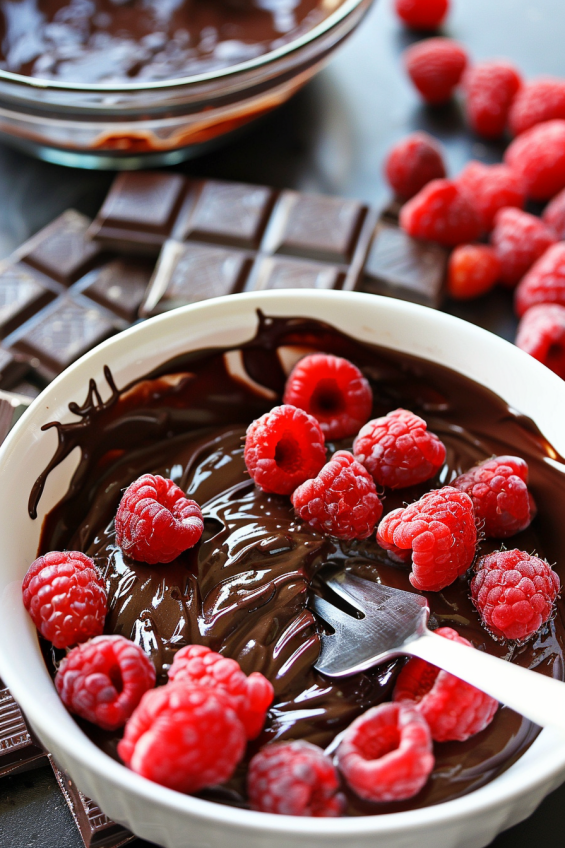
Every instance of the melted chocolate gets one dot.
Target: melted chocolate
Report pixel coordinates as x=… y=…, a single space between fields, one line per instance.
x=244 y=589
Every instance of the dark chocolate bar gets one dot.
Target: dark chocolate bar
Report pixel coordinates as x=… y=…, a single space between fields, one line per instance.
x=19 y=749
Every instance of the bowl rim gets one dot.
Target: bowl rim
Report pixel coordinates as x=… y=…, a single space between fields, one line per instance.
x=334 y=18
x=78 y=747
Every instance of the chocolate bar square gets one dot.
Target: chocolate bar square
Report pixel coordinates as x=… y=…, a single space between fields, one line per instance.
x=21 y=294
x=278 y=273
x=18 y=748
x=12 y=369
x=120 y=285
x=62 y=251
x=229 y=214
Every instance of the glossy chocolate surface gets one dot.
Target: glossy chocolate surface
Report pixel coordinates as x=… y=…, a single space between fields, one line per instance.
x=244 y=589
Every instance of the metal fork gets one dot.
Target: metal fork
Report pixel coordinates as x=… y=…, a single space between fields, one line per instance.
x=389 y=623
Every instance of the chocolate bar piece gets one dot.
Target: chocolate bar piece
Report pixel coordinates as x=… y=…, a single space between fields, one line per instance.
x=61 y=251
x=12 y=369
x=19 y=749
x=22 y=294
x=120 y=285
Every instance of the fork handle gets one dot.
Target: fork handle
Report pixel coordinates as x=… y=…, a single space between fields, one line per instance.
x=535 y=696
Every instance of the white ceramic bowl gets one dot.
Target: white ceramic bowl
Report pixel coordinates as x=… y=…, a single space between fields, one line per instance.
x=161 y=815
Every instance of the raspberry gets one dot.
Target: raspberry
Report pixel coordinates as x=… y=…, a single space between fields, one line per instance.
x=514 y=593
x=492 y=187
x=441 y=212
x=412 y=163
x=499 y=491
x=284 y=448
x=538 y=158
x=386 y=754
x=473 y=270
x=544 y=282
x=453 y=710
x=155 y=521
x=398 y=450
x=333 y=390
x=554 y=216
x=294 y=779
x=440 y=530
x=65 y=597
x=422 y=14
x=341 y=501
x=539 y=101
x=435 y=66
x=490 y=89
x=104 y=679
x=251 y=696
x=541 y=333
x=184 y=737
x=518 y=240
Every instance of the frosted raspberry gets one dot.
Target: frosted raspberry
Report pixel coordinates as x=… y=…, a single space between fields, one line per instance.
x=514 y=593
x=155 y=521
x=538 y=158
x=422 y=14
x=490 y=89
x=65 y=597
x=473 y=270
x=539 y=101
x=435 y=66
x=284 y=448
x=184 y=737
x=103 y=680
x=386 y=754
x=440 y=530
x=398 y=450
x=294 y=779
x=412 y=163
x=554 y=216
x=492 y=187
x=453 y=710
x=251 y=696
x=333 y=390
x=541 y=333
x=441 y=212
x=544 y=282
x=341 y=501
x=518 y=240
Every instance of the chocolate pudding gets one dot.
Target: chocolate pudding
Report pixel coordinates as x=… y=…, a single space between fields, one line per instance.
x=245 y=589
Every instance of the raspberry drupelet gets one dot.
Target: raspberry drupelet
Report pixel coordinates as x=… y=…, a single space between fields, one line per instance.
x=283 y=448
x=251 y=696
x=473 y=269
x=490 y=88
x=442 y=211
x=544 y=282
x=412 y=163
x=518 y=239
x=435 y=66
x=386 y=753
x=155 y=521
x=538 y=101
x=65 y=597
x=541 y=333
x=294 y=779
x=492 y=187
x=453 y=710
x=514 y=593
x=333 y=391
x=104 y=679
x=398 y=450
x=538 y=158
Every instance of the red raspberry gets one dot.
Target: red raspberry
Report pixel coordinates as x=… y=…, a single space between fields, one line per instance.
x=492 y=187
x=490 y=88
x=472 y=271
x=386 y=754
x=541 y=333
x=398 y=451
x=341 y=501
x=66 y=597
x=440 y=530
x=251 y=696
x=544 y=282
x=435 y=66
x=538 y=158
x=104 y=679
x=184 y=737
x=514 y=593
x=284 y=448
x=499 y=491
x=518 y=240
x=155 y=521
x=412 y=163
x=539 y=101
x=422 y=14
x=554 y=216
x=333 y=390
x=453 y=710
x=294 y=779
x=441 y=212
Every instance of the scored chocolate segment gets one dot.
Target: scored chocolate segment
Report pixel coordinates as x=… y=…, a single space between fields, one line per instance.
x=19 y=750
x=277 y=273
x=120 y=285
x=13 y=369
x=61 y=251
x=21 y=295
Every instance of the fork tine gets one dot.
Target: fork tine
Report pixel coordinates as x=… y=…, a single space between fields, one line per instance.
x=335 y=617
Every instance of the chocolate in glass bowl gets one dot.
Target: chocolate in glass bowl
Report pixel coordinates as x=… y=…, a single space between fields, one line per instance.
x=245 y=588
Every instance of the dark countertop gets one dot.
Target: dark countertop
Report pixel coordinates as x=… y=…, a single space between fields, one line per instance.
x=331 y=138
